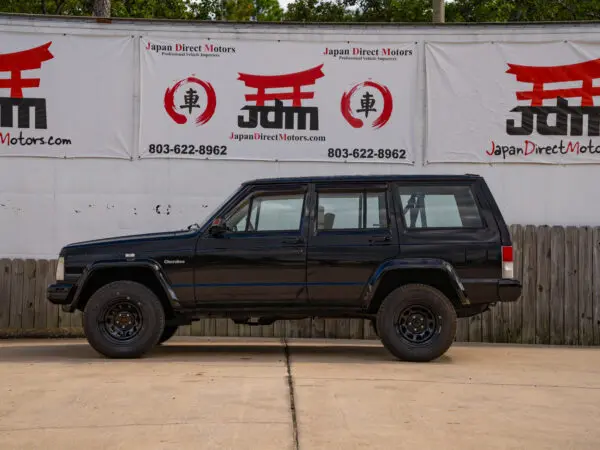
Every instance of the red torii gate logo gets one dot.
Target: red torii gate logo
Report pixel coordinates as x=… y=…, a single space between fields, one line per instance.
x=283 y=116
x=585 y=72
x=15 y=63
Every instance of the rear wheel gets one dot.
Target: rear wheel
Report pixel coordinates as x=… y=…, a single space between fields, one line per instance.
x=168 y=333
x=123 y=319
x=416 y=323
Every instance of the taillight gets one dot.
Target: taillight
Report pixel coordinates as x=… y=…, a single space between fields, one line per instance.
x=507 y=262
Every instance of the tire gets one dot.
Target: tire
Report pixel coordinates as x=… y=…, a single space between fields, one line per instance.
x=123 y=319
x=168 y=333
x=416 y=323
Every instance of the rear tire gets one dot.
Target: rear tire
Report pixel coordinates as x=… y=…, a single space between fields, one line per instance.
x=416 y=323
x=168 y=333
x=123 y=319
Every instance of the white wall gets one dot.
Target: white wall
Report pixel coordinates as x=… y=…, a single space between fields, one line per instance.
x=46 y=203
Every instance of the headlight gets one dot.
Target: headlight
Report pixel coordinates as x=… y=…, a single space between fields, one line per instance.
x=60 y=269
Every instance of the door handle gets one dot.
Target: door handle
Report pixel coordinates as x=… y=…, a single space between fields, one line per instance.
x=293 y=240
x=375 y=239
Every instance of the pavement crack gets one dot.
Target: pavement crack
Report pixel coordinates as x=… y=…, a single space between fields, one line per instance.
x=290 y=380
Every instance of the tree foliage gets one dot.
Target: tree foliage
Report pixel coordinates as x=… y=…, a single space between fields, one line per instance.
x=322 y=10
x=318 y=11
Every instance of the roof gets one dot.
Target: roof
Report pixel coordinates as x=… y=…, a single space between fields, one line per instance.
x=363 y=178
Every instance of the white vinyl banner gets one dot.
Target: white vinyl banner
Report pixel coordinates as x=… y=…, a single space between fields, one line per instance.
x=66 y=96
x=277 y=101
x=491 y=102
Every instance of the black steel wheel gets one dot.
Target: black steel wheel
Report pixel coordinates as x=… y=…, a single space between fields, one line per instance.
x=123 y=319
x=416 y=323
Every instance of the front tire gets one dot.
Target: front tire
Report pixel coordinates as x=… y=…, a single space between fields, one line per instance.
x=123 y=319
x=168 y=333
x=416 y=323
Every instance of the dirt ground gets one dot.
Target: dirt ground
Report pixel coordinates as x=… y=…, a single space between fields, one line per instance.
x=201 y=393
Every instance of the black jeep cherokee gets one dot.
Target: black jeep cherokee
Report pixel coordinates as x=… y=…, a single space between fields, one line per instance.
x=410 y=253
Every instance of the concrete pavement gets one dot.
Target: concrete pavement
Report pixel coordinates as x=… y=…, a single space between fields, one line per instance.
x=224 y=393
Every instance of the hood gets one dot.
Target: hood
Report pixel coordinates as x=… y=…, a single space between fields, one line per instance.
x=126 y=239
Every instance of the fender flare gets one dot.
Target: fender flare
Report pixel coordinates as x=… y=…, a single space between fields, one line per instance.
x=97 y=266
x=400 y=264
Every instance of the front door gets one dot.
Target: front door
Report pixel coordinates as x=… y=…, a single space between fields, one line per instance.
x=261 y=259
x=351 y=235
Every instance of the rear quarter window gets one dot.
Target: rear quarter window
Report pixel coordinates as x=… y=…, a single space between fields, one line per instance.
x=438 y=206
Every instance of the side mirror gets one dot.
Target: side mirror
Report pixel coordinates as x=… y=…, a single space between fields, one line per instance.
x=218 y=227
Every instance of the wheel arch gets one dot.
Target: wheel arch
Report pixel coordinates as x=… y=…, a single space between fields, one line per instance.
x=147 y=273
x=396 y=273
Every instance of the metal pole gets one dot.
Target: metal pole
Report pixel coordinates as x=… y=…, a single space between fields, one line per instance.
x=438 y=11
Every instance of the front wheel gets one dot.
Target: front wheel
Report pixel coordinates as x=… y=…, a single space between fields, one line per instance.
x=123 y=319
x=168 y=333
x=416 y=323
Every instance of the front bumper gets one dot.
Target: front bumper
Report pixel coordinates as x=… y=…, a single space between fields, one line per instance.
x=59 y=293
x=509 y=290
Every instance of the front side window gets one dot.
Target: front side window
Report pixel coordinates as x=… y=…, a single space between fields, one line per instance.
x=267 y=212
x=431 y=206
x=351 y=210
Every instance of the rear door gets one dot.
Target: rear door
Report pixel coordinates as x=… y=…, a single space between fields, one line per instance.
x=351 y=234
x=451 y=220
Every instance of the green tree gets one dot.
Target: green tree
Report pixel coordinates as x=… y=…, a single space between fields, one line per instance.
x=522 y=10
x=54 y=7
x=392 y=10
x=151 y=9
x=318 y=11
x=205 y=9
x=156 y=9
x=260 y=10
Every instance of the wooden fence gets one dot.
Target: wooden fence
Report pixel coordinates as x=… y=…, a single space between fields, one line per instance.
x=559 y=268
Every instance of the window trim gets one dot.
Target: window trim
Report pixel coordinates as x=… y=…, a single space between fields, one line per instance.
x=469 y=185
x=363 y=190
x=301 y=190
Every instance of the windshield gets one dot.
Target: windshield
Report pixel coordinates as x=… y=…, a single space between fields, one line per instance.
x=214 y=211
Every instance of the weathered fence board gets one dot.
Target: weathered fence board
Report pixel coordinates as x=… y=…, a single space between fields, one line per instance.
x=542 y=300
x=596 y=286
x=39 y=300
x=462 y=330
x=5 y=293
x=557 y=286
x=529 y=284
x=558 y=266
x=571 y=287
x=16 y=294
x=28 y=313
x=585 y=271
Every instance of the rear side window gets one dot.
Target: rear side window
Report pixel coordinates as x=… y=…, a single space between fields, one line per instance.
x=348 y=210
x=433 y=206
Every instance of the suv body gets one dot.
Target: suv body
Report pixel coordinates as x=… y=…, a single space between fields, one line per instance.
x=411 y=253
